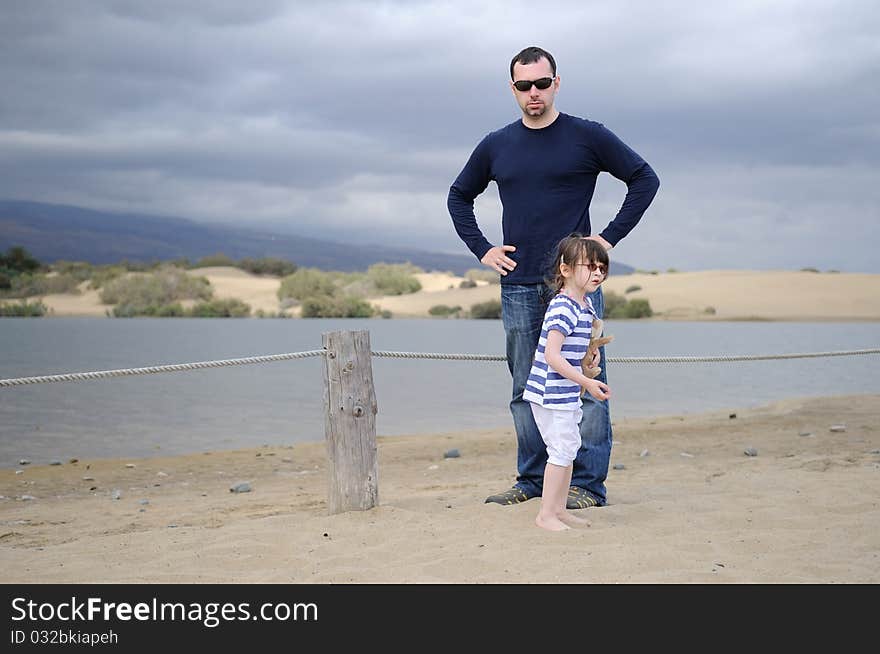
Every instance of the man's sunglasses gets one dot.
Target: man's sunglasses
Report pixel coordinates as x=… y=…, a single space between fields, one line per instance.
x=524 y=85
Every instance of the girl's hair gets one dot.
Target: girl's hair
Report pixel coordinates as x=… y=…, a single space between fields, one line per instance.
x=576 y=248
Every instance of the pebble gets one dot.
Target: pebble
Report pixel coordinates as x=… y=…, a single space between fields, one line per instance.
x=18 y=472
x=686 y=454
x=805 y=433
x=74 y=461
x=732 y=416
x=750 y=451
x=88 y=479
x=240 y=487
x=27 y=498
x=23 y=462
x=286 y=459
x=161 y=474
x=837 y=428
x=117 y=494
x=144 y=502
x=130 y=465
x=54 y=462
x=644 y=452
x=433 y=467
x=451 y=454
x=619 y=466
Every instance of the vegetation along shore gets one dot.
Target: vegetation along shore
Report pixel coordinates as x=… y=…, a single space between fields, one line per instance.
x=217 y=286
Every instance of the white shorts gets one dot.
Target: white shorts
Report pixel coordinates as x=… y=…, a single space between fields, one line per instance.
x=560 y=429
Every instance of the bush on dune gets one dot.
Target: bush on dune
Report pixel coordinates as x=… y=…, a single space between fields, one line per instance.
x=23 y=309
x=327 y=306
x=307 y=282
x=162 y=287
x=394 y=278
x=30 y=284
x=486 y=310
x=230 y=308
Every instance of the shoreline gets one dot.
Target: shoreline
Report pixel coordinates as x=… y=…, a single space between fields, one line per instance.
x=710 y=295
x=692 y=509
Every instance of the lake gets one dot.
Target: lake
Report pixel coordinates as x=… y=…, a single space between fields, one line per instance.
x=280 y=403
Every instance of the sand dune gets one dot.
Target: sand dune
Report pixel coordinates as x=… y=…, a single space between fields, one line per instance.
x=704 y=295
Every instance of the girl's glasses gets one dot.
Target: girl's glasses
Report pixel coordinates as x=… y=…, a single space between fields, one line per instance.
x=593 y=266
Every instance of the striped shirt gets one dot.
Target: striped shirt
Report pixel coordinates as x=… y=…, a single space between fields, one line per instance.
x=545 y=386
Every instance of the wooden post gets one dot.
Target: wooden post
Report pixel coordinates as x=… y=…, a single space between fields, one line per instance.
x=350 y=421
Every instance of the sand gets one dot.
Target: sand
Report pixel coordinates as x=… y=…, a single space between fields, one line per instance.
x=693 y=509
x=703 y=295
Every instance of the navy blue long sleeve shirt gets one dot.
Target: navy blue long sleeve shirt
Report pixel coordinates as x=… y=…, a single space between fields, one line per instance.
x=546 y=178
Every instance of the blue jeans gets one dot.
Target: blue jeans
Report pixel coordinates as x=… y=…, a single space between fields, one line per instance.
x=522 y=312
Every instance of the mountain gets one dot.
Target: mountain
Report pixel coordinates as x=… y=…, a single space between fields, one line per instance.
x=51 y=232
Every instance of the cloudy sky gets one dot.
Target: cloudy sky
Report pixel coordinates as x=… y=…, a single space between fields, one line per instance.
x=349 y=120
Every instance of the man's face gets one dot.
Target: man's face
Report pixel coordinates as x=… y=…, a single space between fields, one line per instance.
x=534 y=102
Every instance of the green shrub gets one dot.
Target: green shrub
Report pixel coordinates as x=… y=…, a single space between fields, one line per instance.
x=307 y=282
x=5 y=281
x=638 y=309
x=230 y=308
x=633 y=288
x=125 y=310
x=165 y=286
x=812 y=270
x=23 y=309
x=467 y=283
x=30 y=284
x=268 y=266
x=18 y=260
x=328 y=306
x=483 y=275
x=79 y=270
x=613 y=303
x=212 y=260
x=618 y=307
x=394 y=278
x=443 y=310
x=103 y=274
x=709 y=311
x=486 y=310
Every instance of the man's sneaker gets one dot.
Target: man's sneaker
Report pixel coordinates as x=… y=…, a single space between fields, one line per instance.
x=578 y=498
x=512 y=496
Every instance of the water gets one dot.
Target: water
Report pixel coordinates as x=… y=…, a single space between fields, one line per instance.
x=280 y=403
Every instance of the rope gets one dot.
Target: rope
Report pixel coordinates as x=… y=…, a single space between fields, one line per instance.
x=677 y=359
x=177 y=367
x=81 y=376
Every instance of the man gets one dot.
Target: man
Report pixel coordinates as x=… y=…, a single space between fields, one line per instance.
x=545 y=166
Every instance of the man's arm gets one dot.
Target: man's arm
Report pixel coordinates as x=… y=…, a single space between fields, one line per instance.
x=471 y=181
x=641 y=185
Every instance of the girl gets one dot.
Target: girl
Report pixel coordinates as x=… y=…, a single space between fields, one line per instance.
x=556 y=377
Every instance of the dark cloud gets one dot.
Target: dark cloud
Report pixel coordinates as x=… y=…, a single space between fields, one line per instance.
x=330 y=118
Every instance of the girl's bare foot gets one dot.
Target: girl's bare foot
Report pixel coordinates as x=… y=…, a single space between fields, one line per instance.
x=551 y=524
x=569 y=518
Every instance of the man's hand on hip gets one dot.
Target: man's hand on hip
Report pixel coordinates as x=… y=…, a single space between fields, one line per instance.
x=496 y=258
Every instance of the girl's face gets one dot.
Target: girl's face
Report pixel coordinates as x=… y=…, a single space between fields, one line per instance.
x=585 y=276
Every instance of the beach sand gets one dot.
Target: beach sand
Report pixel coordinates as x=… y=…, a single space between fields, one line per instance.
x=693 y=509
x=703 y=295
